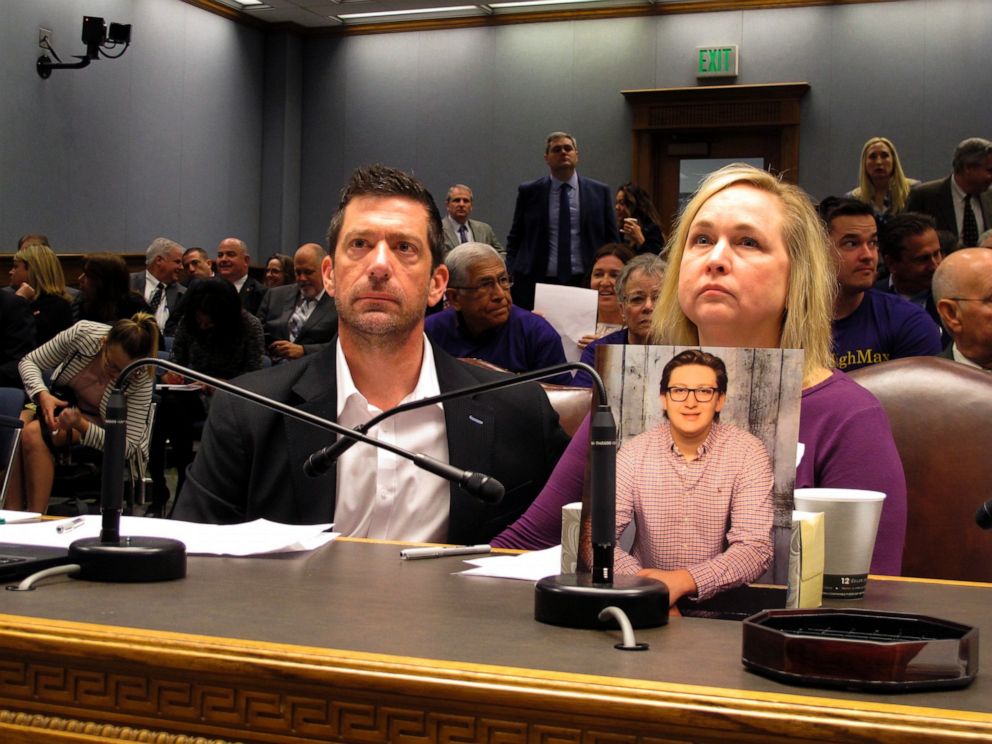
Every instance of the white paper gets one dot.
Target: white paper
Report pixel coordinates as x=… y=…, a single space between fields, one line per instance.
x=249 y=538
x=530 y=566
x=9 y=516
x=572 y=312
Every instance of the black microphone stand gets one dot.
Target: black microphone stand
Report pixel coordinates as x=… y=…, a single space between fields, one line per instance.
x=572 y=600
x=111 y=557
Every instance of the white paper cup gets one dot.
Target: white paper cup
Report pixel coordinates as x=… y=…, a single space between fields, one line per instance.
x=850 y=525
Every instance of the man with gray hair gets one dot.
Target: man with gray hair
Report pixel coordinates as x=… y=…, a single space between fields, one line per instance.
x=481 y=321
x=962 y=287
x=159 y=282
x=559 y=222
x=458 y=228
x=960 y=203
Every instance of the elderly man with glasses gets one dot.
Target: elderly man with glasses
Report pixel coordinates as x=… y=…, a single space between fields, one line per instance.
x=481 y=321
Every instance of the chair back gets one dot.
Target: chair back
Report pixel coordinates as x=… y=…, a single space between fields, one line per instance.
x=11 y=403
x=941 y=417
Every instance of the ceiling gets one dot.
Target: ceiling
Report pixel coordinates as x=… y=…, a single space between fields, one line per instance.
x=326 y=15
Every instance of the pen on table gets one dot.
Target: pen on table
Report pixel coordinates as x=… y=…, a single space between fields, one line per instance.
x=70 y=526
x=414 y=553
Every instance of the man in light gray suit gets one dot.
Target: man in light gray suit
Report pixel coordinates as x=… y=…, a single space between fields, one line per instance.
x=458 y=228
x=299 y=318
x=159 y=282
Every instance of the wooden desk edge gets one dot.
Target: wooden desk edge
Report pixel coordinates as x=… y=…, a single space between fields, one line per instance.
x=226 y=687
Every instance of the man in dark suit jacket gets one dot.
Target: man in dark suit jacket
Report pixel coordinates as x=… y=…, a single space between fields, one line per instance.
x=384 y=270
x=299 y=318
x=943 y=199
x=16 y=336
x=163 y=266
x=232 y=264
x=532 y=246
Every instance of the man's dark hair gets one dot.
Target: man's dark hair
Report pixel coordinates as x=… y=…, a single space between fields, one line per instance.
x=381 y=180
x=196 y=249
x=972 y=151
x=32 y=238
x=835 y=206
x=702 y=359
x=892 y=235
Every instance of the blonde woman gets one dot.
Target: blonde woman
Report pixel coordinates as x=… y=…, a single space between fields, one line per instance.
x=881 y=181
x=37 y=277
x=749 y=265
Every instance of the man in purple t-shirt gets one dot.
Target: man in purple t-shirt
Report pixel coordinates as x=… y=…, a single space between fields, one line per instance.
x=869 y=326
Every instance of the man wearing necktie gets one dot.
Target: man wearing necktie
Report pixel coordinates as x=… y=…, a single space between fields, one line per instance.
x=458 y=228
x=962 y=202
x=558 y=223
x=159 y=282
x=299 y=318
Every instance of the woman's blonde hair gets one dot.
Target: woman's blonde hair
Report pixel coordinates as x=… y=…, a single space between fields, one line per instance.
x=45 y=273
x=137 y=336
x=898 y=183
x=812 y=277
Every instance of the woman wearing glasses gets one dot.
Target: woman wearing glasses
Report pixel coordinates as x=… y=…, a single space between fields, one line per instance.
x=750 y=266
x=86 y=358
x=699 y=491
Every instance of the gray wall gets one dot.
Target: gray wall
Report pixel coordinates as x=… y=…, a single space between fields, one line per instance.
x=206 y=127
x=474 y=105
x=166 y=140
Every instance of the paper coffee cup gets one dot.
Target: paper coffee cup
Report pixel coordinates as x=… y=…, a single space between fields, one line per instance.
x=850 y=525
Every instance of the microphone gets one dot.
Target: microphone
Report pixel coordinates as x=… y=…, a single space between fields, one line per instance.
x=984 y=515
x=112 y=478
x=320 y=461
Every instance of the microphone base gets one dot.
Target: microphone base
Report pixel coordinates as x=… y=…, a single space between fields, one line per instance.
x=129 y=560
x=572 y=600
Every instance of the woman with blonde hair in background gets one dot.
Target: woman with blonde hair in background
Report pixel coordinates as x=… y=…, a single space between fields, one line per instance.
x=750 y=265
x=881 y=181
x=87 y=359
x=37 y=277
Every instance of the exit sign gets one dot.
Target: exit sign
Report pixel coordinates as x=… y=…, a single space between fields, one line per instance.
x=718 y=61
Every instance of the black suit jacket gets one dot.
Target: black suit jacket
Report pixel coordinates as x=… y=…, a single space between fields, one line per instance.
x=527 y=242
x=250 y=463
x=16 y=336
x=277 y=308
x=173 y=294
x=936 y=199
x=251 y=294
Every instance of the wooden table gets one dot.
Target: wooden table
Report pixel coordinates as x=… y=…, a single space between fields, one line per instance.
x=349 y=643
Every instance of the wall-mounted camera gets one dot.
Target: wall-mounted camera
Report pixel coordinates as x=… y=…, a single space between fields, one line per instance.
x=99 y=41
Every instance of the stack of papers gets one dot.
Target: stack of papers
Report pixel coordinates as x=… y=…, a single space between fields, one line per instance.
x=250 y=538
x=531 y=566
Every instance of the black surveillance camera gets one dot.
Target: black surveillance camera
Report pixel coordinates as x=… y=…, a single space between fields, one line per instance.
x=120 y=33
x=94 y=31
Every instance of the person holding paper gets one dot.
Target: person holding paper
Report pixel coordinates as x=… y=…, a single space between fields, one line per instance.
x=700 y=492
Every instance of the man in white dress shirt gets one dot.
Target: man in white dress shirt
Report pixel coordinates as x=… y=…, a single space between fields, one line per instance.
x=159 y=282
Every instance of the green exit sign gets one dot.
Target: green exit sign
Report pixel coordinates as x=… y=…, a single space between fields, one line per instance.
x=717 y=61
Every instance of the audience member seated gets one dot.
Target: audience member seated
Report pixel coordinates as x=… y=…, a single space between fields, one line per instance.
x=105 y=295
x=869 y=326
x=37 y=277
x=881 y=181
x=384 y=270
x=700 y=492
x=159 y=282
x=232 y=264
x=720 y=291
x=86 y=359
x=911 y=249
x=483 y=323
x=962 y=287
x=607 y=265
x=637 y=290
x=219 y=338
x=299 y=318
x=196 y=265
x=638 y=219
x=960 y=203
x=278 y=270
x=17 y=336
